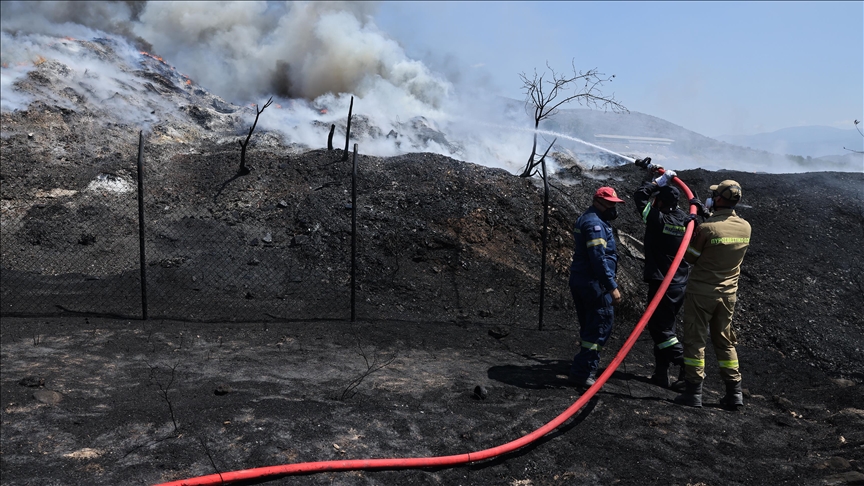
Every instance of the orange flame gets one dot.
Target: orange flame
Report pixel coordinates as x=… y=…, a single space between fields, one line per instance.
x=151 y=56
x=278 y=105
x=323 y=111
x=39 y=60
x=70 y=38
x=188 y=81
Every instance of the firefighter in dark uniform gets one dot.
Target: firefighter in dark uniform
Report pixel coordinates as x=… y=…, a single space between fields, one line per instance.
x=592 y=283
x=665 y=224
x=715 y=252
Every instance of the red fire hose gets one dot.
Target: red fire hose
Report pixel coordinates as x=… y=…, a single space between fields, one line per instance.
x=273 y=472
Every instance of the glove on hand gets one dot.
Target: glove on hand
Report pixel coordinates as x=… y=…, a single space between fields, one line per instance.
x=700 y=208
x=665 y=178
x=691 y=217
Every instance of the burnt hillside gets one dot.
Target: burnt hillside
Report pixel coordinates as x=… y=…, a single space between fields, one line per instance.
x=249 y=358
x=438 y=239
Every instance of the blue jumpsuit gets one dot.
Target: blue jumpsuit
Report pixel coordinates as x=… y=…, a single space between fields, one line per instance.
x=592 y=278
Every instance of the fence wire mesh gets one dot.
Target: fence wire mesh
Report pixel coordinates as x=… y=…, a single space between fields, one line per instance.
x=218 y=247
x=63 y=256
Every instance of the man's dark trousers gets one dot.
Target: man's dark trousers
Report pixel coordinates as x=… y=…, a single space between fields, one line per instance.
x=596 y=317
x=661 y=326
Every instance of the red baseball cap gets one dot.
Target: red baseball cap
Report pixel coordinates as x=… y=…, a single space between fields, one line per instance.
x=608 y=194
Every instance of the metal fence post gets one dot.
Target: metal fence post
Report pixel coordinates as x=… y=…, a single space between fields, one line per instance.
x=143 y=260
x=354 y=236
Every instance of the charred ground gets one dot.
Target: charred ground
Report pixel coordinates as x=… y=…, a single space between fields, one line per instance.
x=447 y=301
x=402 y=384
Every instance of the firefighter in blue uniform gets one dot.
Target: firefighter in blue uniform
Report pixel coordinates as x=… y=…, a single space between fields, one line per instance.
x=592 y=283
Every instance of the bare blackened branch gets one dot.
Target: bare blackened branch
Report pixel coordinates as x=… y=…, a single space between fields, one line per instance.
x=371 y=368
x=243 y=169
x=164 y=389
x=544 y=95
x=209 y=456
x=857 y=127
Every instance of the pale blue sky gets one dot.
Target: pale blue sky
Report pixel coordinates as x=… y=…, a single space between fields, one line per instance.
x=717 y=68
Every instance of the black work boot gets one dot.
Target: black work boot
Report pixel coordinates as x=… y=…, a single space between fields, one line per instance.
x=680 y=384
x=692 y=396
x=734 y=398
x=661 y=375
x=582 y=383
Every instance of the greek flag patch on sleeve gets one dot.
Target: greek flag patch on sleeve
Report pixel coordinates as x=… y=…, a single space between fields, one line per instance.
x=596 y=228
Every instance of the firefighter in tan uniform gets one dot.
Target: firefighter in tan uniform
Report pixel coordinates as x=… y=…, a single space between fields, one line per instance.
x=715 y=253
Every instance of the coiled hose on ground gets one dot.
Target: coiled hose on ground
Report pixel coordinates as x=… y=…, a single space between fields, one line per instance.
x=273 y=472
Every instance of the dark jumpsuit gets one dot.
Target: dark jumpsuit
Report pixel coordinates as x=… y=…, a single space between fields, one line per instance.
x=663 y=234
x=592 y=278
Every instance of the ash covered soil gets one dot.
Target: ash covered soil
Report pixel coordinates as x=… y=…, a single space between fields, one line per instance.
x=448 y=297
x=89 y=400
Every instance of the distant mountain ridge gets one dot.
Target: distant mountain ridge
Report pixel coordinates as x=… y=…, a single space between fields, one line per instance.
x=689 y=150
x=815 y=141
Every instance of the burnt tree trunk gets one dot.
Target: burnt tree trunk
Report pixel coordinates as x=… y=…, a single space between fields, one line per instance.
x=531 y=164
x=243 y=169
x=348 y=130
x=545 y=234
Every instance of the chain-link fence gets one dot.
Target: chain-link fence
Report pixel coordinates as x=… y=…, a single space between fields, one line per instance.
x=221 y=247
x=201 y=262
x=61 y=257
x=205 y=264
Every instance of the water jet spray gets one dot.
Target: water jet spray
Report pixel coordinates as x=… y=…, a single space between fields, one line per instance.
x=554 y=134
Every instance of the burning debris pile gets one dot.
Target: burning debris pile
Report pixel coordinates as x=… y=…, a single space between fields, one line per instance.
x=106 y=83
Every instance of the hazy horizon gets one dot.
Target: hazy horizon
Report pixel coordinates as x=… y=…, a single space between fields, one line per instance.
x=407 y=61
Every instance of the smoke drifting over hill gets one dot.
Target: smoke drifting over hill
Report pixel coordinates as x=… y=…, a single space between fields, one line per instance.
x=243 y=50
x=308 y=55
x=312 y=57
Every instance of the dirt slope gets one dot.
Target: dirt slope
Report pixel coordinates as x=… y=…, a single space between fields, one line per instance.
x=308 y=391
x=448 y=296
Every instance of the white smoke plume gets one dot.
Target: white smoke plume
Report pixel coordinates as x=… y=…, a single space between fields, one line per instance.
x=311 y=57
x=293 y=50
x=73 y=19
x=243 y=50
x=304 y=54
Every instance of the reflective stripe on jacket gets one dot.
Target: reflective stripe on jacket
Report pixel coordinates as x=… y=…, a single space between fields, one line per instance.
x=595 y=258
x=664 y=232
x=716 y=252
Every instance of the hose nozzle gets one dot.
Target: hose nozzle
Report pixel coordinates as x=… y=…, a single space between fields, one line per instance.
x=644 y=163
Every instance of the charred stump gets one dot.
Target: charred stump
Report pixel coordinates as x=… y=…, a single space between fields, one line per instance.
x=348 y=130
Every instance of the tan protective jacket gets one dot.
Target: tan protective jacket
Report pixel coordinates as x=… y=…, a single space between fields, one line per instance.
x=716 y=252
